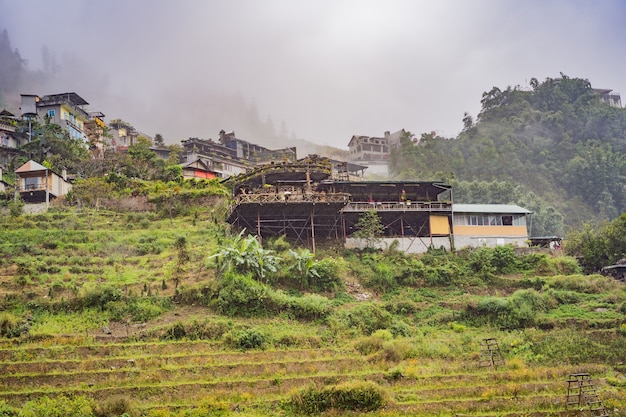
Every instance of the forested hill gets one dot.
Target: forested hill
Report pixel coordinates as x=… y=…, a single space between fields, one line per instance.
x=553 y=146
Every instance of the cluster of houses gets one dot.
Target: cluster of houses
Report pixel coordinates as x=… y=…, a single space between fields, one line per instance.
x=276 y=193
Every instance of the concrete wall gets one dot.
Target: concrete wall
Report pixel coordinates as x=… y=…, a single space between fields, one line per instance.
x=407 y=245
x=461 y=241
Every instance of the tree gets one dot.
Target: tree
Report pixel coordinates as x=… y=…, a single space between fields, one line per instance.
x=158 y=140
x=370 y=228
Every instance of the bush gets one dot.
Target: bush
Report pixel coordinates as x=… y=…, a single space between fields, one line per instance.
x=241 y=295
x=366 y=318
x=328 y=275
x=10 y=325
x=60 y=406
x=115 y=407
x=246 y=339
x=516 y=312
x=351 y=396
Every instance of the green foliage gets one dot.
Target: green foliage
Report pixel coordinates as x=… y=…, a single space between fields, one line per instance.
x=598 y=246
x=60 y=406
x=246 y=339
x=365 y=318
x=507 y=155
x=241 y=295
x=327 y=276
x=369 y=228
x=362 y=396
x=16 y=207
x=519 y=311
x=245 y=255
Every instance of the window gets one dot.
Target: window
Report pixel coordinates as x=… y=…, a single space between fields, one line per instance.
x=51 y=113
x=31 y=183
x=507 y=220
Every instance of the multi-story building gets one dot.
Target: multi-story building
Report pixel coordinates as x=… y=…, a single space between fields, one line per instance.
x=609 y=97
x=66 y=110
x=123 y=134
x=10 y=139
x=232 y=156
x=374 y=152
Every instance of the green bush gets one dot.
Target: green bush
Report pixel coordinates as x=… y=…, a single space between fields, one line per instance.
x=60 y=406
x=589 y=284
x=360 y=396
x=328 y=275
x=246 y=339
x=241 y=295
x=516 y=312
x=115 y=407
x=365 y=317
x=10 y=325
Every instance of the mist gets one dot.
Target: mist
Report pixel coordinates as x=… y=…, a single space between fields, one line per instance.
x=321 y=71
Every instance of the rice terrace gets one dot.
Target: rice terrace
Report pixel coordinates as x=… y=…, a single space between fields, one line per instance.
x=169 y=313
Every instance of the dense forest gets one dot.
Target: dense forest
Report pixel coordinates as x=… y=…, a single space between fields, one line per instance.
x=554 y=148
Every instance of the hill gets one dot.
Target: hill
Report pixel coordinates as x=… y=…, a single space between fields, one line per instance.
x=151 y=313
x=555 y=139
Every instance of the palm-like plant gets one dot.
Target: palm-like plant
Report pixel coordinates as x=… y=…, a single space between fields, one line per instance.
x=245 y=255
x=303 y=266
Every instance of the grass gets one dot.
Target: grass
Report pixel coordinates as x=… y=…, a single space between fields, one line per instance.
x=69 y=274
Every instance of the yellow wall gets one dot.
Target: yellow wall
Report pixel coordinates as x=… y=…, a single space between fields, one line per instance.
x=439 y=225
x=491 y=230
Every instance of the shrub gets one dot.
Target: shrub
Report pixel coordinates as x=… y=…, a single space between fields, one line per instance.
x=10 y=325
x=589 y=284
x=350 y=396
x=516 y=312
x=365 y=317
x=60 y=406
x=246 y=339
x=115 y=407
x=241 y=295
x=328 y=275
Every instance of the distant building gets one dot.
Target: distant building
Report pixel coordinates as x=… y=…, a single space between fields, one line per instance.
x=609 y=97
x=10 y=140
x=66 y=110
x=374 y=152
x=231 y=156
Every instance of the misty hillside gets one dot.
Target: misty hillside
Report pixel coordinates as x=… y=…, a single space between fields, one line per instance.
x=556 y=141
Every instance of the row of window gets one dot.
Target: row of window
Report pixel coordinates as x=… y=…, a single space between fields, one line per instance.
x=489 y=220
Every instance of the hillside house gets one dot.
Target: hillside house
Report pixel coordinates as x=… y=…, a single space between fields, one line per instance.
x=38 y=184
x=10 y=139
x=489 y=225
x=66 y=110
x=199 y=169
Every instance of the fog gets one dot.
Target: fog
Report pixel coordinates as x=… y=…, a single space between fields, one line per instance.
x=320 y=70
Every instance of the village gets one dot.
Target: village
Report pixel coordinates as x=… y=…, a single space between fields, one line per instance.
x=275 y=193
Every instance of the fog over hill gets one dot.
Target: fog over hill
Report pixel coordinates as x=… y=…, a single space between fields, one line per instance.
x=322 y=71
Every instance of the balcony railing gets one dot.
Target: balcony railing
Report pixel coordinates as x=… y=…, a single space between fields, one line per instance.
x=263 y=198
x=398 y=206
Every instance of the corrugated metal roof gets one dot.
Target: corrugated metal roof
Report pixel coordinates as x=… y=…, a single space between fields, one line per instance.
x=489 y=208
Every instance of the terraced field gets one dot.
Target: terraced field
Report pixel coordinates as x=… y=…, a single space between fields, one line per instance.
x=125 y=312
x=163 y=377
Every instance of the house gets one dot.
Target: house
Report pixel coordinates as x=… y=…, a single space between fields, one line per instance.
x=66 y=110
x=232 y=156
x=38 y=184
x=374 y=152
x=199 y=169
x=4 y=187
x=10 y=139
x=490 y=225
x=609 y=97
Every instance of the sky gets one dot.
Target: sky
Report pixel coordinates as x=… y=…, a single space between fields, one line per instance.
x=326 y=69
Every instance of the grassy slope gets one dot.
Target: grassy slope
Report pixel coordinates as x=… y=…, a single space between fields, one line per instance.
x=54 y=267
